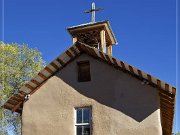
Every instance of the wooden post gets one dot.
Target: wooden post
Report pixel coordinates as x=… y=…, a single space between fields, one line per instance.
x=110 y=50
x=103 y=41
x=74 y=40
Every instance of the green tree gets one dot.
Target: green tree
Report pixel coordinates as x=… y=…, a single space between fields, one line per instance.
x=18 y=64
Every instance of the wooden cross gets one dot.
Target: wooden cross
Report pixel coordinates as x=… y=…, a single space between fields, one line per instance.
x=93 y=10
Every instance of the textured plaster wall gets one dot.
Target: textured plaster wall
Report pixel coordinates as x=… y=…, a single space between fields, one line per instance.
x=121 y=105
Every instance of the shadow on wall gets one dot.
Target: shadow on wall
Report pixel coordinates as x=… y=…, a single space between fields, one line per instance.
x=113 y=88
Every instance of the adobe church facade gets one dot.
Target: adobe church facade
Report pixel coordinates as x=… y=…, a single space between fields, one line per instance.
x=119 y=104
x=86 y=91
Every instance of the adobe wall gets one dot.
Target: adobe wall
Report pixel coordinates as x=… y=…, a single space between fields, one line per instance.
x=121 y=105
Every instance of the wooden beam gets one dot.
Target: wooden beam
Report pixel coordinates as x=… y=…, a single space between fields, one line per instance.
x=168 y=122
x=49 y=70
x=35 y=82
x=13 y=102
x=115 y=62
x=166 y=101
x=93 y=52
x=108 y=59
x=60 y=61
x=88 y=50
x=167 y=131
x=54 y=65
x=19 y=96
x=167 y=87
x=19 y=111
x=83 y=47
x=87 y=29
x=39 y=86
x=140 y=73
x=173 y=90
x=15 y=98
x=166 y=93
x=167 y=110
x=123 y=66
x=29 y=86
x=159 y=83
x=42 y=76
x=102 y=56
x=110 y=50
x=103 y=41
x=78 y=45
x=8 y=106
x=69 y=54
x=149 y=78
x=168 y=125
x=167 y=117
x=74 y=40
x=167 y=105
x=73 y=50
x=22 y=92
x=17 y=106
x=131 y=69
x=166 y=97
x=168 y=113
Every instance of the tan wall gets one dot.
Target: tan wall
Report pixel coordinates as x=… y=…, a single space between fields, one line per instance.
x=121 y=105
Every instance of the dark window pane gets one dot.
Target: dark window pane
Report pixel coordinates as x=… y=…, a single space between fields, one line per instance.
x=86 y=130
x=79 y=116
x=79 y=130
x=86 y=115
x=84 y=71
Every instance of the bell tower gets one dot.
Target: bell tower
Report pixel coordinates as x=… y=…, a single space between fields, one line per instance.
x=94 y=34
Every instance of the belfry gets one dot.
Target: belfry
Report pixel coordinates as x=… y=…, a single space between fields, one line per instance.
x=94 y=34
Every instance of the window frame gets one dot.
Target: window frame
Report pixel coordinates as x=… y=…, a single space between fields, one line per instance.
x=83 y=124
x=80 y=78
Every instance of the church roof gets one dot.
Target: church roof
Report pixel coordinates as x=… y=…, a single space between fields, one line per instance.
x=167 y=92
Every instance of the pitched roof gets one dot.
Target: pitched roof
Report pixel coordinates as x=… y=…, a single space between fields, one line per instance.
x=167 y=92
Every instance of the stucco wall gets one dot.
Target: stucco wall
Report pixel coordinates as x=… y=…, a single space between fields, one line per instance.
x=121 y=105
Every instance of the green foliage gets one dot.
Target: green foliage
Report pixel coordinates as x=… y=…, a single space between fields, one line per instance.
x=18 y=64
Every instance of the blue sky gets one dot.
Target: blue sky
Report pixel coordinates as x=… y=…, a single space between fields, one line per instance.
x=145 y=30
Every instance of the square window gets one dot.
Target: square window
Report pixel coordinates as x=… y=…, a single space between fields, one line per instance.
x=84 y=71
x=83 y=121
x=83 y=130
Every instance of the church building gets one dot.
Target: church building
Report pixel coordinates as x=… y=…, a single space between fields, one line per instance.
x=87 y=91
